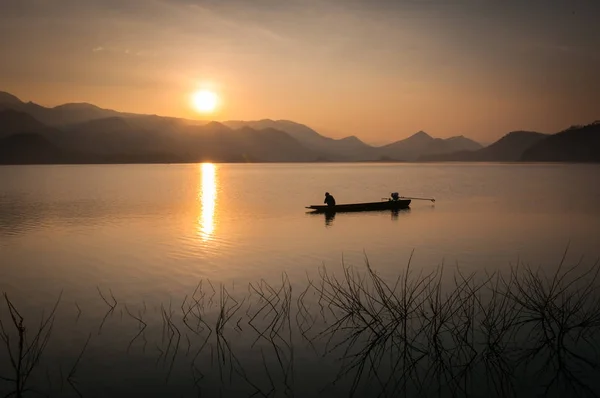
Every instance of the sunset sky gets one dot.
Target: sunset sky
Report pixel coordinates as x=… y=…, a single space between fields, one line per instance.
x=377 y=69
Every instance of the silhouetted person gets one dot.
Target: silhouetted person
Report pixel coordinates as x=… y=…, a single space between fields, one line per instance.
x=329 y=199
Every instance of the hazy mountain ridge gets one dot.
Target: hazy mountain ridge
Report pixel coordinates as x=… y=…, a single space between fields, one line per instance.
x=422 y=144
x=103 y=133
x=58 y=116
x=353 y=149
x=27 y=148
x=14 y=122
x=509 y=148
x=117 y=139
x=8 y=98
x=575 y=144
x=327 y=148
x=81 y=132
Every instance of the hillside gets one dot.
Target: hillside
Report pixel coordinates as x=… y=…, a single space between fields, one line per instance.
x=13 y=122
x=509 y=148
x=95 y=134
x=576 y=144
x=353 y=149
x=60 y=115
x=119 y=139
x=28 y=148
x=422 y=144
x=91 y=129
x=349 y=148
x=7 y=98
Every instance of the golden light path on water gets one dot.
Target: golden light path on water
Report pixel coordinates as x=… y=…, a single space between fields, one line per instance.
x=208 y=200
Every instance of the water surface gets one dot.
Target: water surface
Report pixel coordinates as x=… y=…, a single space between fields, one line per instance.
x=150 y=233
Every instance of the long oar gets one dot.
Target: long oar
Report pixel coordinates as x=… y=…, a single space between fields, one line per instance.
x=406 y=197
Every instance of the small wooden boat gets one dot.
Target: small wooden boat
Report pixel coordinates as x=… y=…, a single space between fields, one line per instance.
x=370 y=206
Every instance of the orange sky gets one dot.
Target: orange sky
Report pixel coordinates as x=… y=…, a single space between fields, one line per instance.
x=378 y=69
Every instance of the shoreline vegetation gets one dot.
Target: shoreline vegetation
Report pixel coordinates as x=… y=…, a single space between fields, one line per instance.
x=526 y=332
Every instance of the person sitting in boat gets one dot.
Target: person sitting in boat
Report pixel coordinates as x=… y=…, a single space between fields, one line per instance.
x=329 y=199
x=395 y=196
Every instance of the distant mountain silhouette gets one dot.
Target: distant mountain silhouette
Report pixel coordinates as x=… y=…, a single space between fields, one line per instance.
x=60 y=115
x=349 y=148
x=13 y=122
x=509 y=148
x=89 y=129
x=353 y=149
x=78 y=107
x=269 y=145
x=126 y=140
x=576 y=144
x=109 y=136
x=7 y=98
x=465 y=143
x=28 y=148
x=422 y=144
x=85 y=133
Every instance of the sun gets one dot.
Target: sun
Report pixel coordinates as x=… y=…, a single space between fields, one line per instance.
x=205 y=101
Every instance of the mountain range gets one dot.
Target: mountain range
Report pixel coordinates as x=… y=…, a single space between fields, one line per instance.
x=85 y=133
x=575 y=144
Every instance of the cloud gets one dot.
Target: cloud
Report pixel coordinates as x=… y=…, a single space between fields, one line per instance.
x=126 y=51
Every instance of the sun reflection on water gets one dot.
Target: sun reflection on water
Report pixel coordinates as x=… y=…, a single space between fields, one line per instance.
x=208 y=200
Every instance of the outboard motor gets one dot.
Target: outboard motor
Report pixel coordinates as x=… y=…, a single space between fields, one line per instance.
x=395 y=196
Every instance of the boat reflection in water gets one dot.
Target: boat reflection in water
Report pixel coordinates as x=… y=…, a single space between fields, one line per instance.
x=396 y=212
x=208 y=200
x=329 y=216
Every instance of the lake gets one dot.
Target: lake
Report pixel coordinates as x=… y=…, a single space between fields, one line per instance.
x=131 y=245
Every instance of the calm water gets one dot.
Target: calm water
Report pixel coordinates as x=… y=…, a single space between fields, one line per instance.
x=150 y=233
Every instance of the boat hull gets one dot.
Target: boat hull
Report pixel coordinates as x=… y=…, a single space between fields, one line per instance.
x=371 y=206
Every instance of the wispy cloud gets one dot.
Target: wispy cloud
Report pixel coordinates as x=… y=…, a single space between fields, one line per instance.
x=126 y=51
